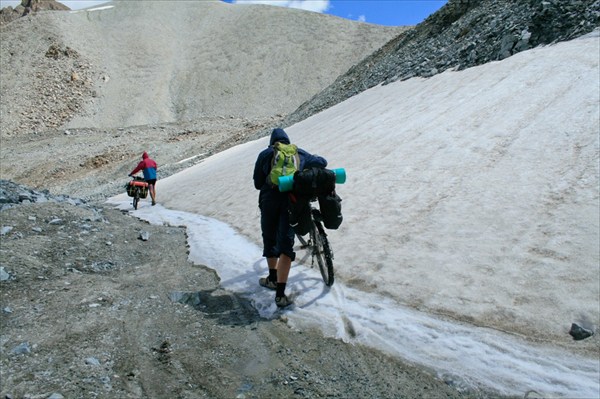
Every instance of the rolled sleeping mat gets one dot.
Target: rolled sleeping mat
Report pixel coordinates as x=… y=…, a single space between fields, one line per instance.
x=340 y=175
x=286 y=183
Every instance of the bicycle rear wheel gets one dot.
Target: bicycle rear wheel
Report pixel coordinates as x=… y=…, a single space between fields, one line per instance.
x=322 y=252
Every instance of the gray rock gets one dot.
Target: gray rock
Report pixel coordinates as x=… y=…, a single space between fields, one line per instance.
x=578 y=333
x=144 y=235
x=4 y=275
x=5 y=230
x=186 y=298
x=25 y=197
x=92 y=361
x=21 y=349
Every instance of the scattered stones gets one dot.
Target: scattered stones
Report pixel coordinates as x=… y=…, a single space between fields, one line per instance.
x=56 y=51
x=102 y=266
x=12 y=194
x=186 y=298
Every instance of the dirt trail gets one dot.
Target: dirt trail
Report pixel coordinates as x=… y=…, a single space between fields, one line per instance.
x=93 y=310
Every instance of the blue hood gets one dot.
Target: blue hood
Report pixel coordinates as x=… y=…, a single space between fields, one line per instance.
x=280 y=135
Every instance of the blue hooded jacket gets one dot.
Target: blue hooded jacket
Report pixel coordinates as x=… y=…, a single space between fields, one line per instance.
x=262 y=167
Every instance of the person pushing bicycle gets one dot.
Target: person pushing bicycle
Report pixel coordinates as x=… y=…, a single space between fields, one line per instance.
x=148 y=167
x=277 y=234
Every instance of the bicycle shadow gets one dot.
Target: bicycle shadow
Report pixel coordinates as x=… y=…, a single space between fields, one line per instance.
x=226 y=307
x=304 y=281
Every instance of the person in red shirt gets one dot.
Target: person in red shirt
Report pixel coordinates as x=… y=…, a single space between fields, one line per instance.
x=148 y=167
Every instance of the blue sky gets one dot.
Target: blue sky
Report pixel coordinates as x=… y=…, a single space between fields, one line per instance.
x=380 y=12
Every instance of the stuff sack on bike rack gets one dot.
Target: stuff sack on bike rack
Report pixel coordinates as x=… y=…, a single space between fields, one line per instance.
x=314 y=182
x=132 y=185
x=330 y=206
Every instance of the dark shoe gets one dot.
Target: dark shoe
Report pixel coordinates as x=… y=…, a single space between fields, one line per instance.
x=265 y=282
x=153 y=203
x=282 y=301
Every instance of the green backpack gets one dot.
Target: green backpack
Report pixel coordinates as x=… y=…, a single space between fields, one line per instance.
x=285 y=161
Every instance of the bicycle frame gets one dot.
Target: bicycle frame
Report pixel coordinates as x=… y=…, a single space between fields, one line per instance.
x=319 y=247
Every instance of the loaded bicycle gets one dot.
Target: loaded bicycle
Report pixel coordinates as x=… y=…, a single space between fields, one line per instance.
x=137 y=188
x=319 y=246
x=305 y=188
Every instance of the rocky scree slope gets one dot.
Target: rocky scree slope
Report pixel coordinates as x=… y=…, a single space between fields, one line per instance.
x=83 y=94
x=168 y=62
x=462 y=34
x=9 y=14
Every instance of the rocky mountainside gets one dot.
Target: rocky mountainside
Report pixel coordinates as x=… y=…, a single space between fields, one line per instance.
x=96 y=303
x=462 y=34
x=178 y=79
x=165 y=62
x=9 y=14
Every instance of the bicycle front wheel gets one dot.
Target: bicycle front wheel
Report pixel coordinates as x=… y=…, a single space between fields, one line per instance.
x=322 y=252
x=136 y=198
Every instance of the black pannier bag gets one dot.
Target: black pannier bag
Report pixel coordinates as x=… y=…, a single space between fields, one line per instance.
x=314 y=182
x=300 y=214
x=330 y=206
x=130 y=189
x=144 y=192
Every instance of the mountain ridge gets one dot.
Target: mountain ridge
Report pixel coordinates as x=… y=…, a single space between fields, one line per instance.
x=462 y=34
x=159 y=63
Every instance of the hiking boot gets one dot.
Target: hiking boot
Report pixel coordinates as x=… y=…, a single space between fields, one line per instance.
x=153 y=203
x=265 y=282
x=282 y=301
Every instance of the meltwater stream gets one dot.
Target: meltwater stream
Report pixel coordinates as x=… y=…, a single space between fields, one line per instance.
x=467 y=355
